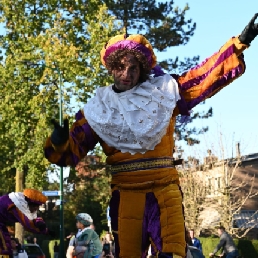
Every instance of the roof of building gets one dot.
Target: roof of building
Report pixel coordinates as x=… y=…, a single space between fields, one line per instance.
x=246 y=219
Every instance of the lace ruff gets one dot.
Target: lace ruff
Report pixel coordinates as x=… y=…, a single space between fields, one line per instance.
x=19 y=201
x=135 y=120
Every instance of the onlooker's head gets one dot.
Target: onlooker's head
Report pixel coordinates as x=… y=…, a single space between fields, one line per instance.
x=108 y=237
x=83 y=220
x=14 y=243
x=221 y=230
x=187 y=237
x=191 y=232
x=16 y=246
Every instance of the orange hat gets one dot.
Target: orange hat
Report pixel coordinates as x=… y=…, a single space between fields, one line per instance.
x=34 y=196
x=135 y=42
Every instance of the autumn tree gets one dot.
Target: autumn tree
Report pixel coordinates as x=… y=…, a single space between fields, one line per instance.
x=41 y=43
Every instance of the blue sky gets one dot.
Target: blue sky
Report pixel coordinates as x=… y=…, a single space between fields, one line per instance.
x=235 y=111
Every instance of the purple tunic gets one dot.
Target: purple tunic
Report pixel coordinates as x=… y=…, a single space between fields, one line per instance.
x=9 y=213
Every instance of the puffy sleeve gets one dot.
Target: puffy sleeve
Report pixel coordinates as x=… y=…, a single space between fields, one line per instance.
x=209 y=77
x=81 y=140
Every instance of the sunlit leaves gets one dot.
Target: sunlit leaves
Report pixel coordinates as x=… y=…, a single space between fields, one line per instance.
x=45 y=45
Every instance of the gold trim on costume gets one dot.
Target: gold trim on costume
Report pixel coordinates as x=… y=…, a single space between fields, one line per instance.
x=143 y=165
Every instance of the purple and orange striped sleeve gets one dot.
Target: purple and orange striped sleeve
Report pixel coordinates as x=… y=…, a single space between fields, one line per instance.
x=28 y=224
x=209 y=77
x=81 y=140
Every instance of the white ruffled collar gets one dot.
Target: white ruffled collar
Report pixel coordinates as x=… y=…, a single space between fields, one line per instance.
x=135 y=120
x=19 y=201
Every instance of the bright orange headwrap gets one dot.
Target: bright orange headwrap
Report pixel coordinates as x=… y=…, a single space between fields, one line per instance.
x=35 y=196
x=136 y=42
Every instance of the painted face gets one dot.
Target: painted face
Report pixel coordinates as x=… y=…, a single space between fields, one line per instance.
x=13 y=244
x=127 y=75
x=191 y=233
x=33 y=207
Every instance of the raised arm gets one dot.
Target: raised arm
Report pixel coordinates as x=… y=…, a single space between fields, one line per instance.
x=67 y=148
x=216 y=72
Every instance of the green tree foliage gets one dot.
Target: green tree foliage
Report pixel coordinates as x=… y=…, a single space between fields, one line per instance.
x=65 y=38
x=165 y=25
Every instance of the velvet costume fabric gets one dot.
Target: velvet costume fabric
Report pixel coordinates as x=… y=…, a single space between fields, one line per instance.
x=9 y=213
x=146 y=205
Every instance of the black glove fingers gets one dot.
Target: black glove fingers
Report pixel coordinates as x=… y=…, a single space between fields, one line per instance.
x=55 y=123
x=253 y=19
x=60 y=135
x=250 y=31
x=255 y=28
x=66 y=124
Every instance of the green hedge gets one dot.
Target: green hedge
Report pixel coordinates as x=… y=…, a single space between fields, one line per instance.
x=247 y=248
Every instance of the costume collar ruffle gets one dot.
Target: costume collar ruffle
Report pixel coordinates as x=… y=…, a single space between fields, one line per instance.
x=19 y=201
x=135 y=120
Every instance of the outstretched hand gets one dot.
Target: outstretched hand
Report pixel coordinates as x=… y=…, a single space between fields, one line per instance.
x=60 y=134
x=249 y=32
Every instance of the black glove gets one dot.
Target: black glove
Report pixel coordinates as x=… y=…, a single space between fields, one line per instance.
x=60 y=134
x=250 y=31
x=51 y=233
x=41 y=225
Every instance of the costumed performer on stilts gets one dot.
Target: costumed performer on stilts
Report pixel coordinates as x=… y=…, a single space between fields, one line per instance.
x=134 y=120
